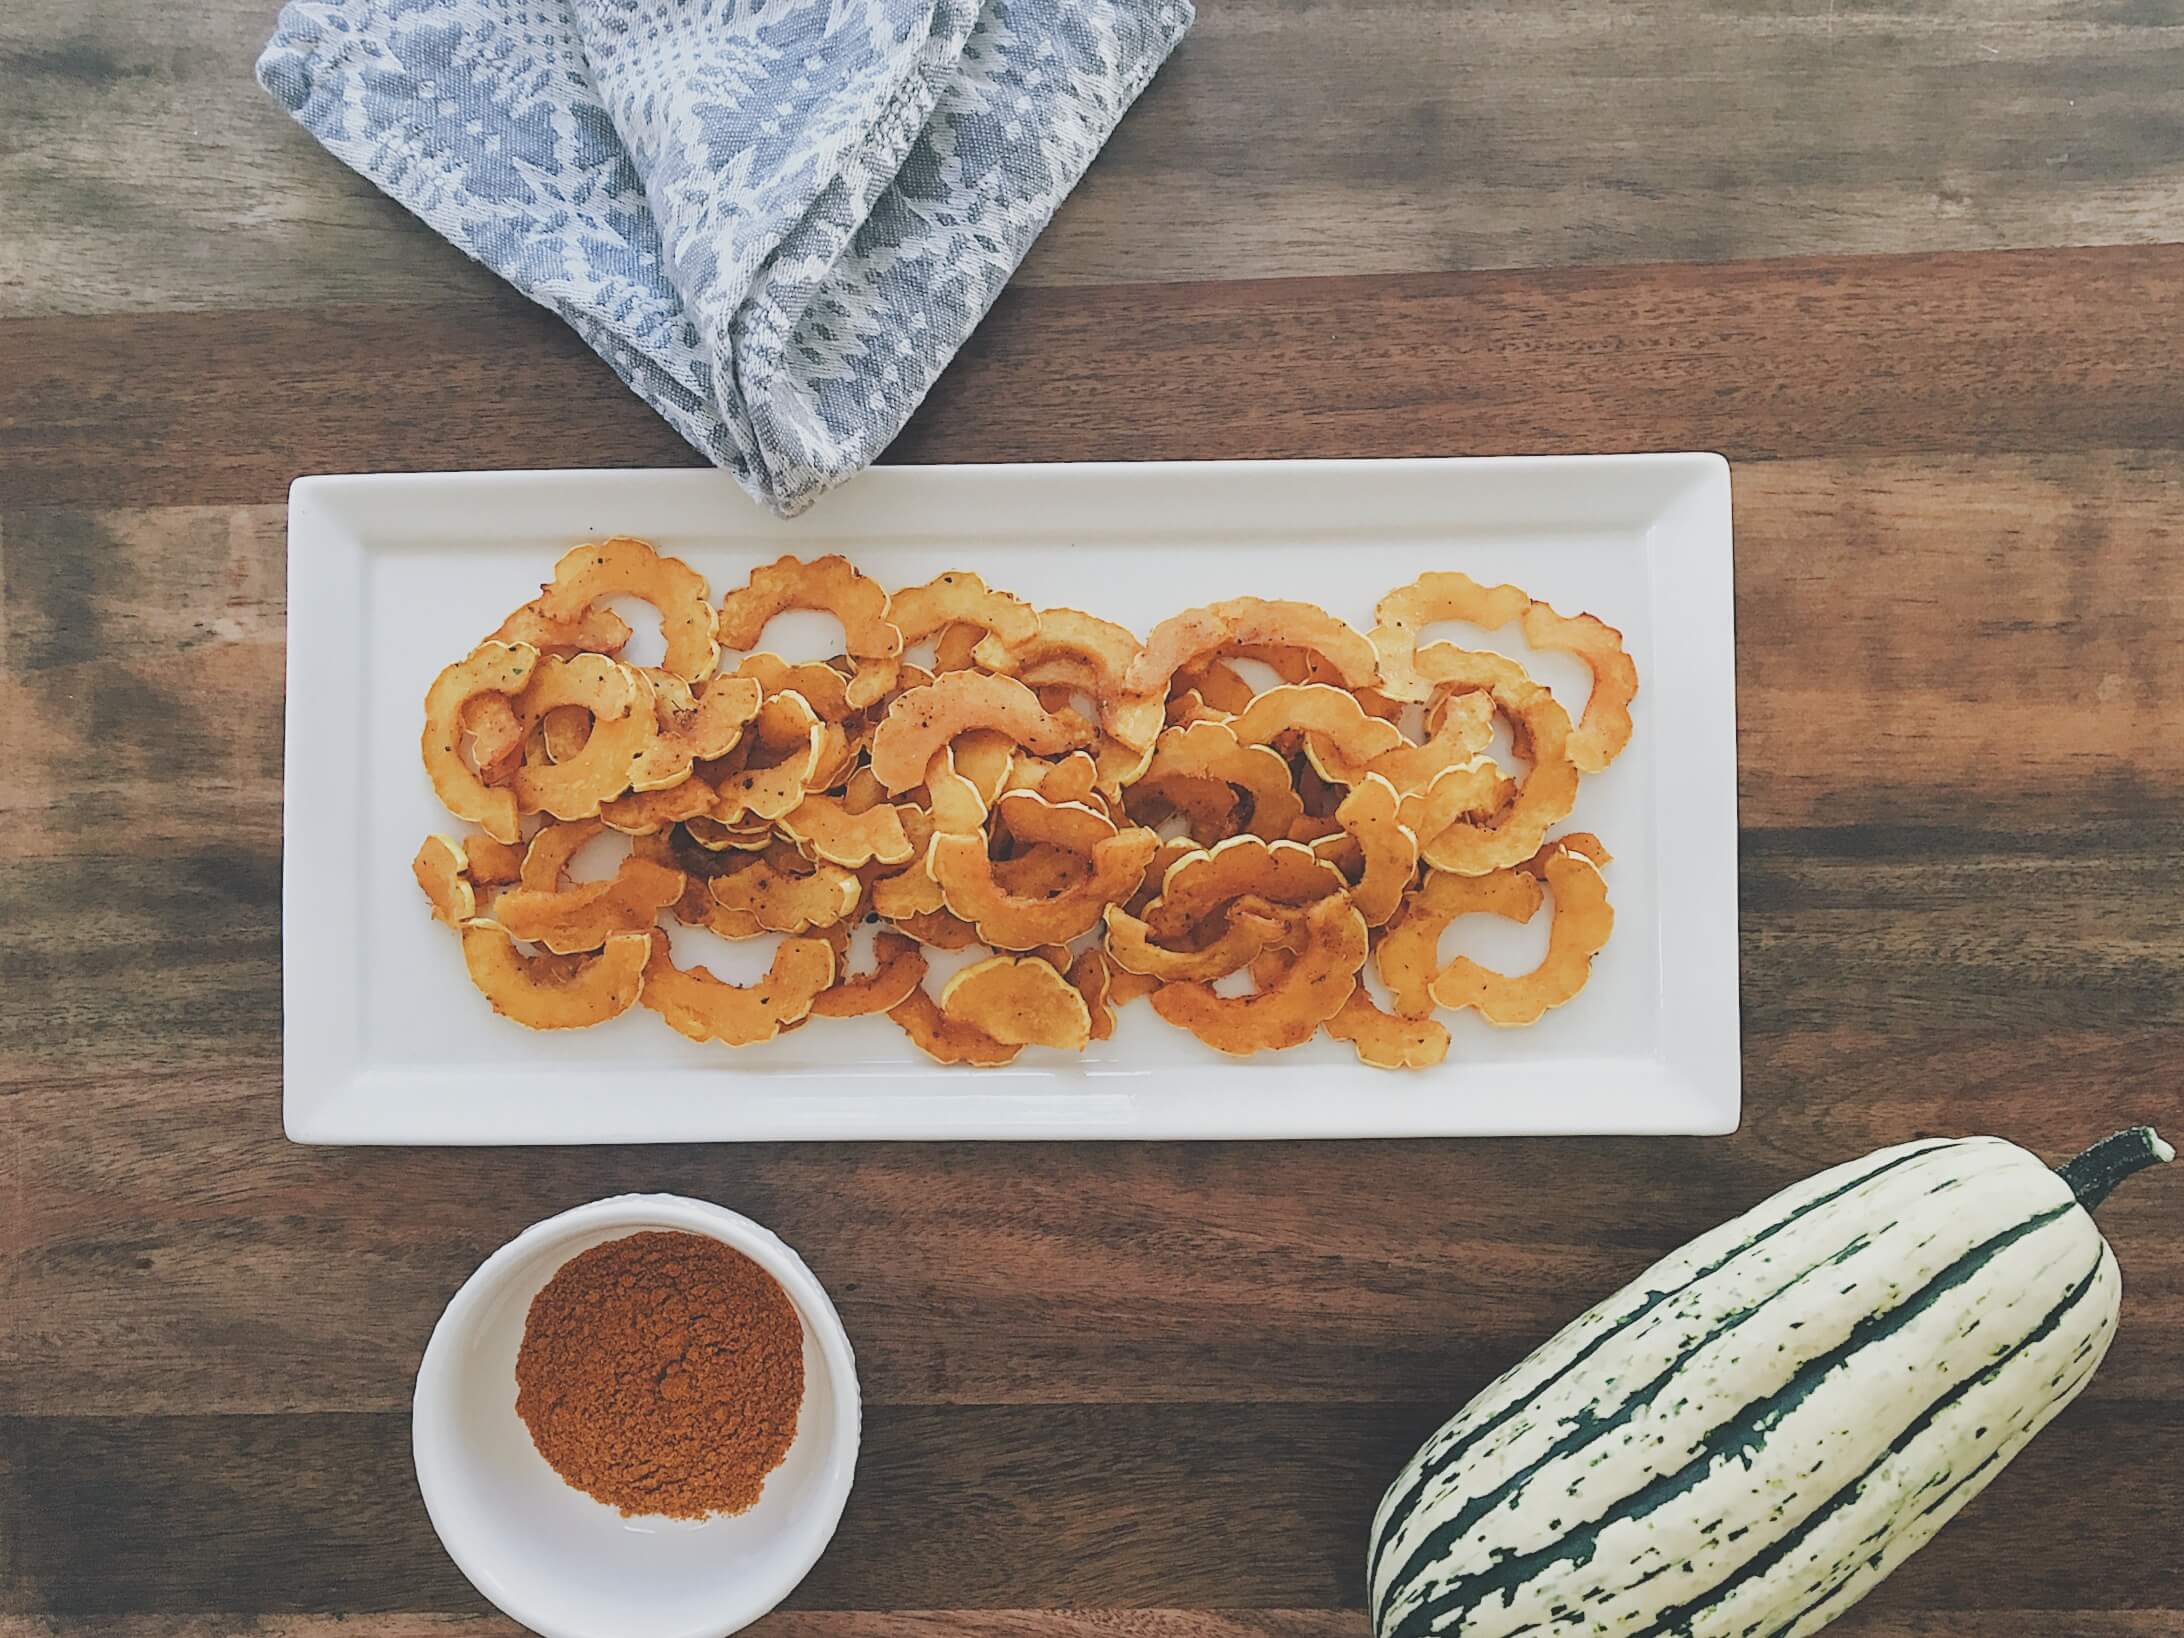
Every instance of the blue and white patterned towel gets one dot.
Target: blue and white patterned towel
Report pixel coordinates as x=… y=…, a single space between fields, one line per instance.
x=776 y=219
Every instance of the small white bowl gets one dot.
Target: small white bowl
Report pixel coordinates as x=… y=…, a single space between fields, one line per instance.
x=547 y=1554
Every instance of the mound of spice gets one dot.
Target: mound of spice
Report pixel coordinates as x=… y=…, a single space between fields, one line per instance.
x=662 y=1373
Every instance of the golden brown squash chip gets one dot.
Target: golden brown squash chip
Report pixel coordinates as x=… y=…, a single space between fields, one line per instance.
x=500 y=738
x=1459 y=733
x=786 y=741
x=1200 y=883
x=1018 y=1001
x=570 y=920
x=825 y=689
x=546 y=860
x=959 y=598
x=1009 y=921
x=1371 y=814
x=1073 y=778
x=837 y=756
x=938 y=929
x=715 y=837
x=1029 y=818
x=1079 y=651
x=1315 y=828
x=1329 y=939
x=1093 y=977
x=898 y=967
x=1577 y=841
x=1583 y=920
x=1041 y=871
x=1474 y=790
x=705 y=1008
x=1117 y=766
x=1209 y=813
x=548 y=992
x=951 y=801
x=619 y=698
x=1241 y=931
x=1352 y=737
x=986 y=758
x=595 y=631
x=441 y=870
x=783 y=900
x=645 y=813
x=1218 y=687
x=1404 y=613
x=564 y=730
x=623 y=567
x=923 y=720
x=1171 y=849
x=695 y=725
x=906 y=894
x=1126 y=987
x=831 y=585
x=825 y=828
x=1209 y=753
x=1385 y=1041
x=492 y=668
x=1541 y=729
x=1604 y=729
x=489 y=863
x=947 y=1040
x=1408 y=954
x=906 y=890
x=1205 y=633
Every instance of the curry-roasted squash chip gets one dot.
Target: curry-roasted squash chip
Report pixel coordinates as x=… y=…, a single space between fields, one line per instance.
x=624 y=567
x=554 y=992
x=831 y=585
x=706 y=1008
x=1018 y=1001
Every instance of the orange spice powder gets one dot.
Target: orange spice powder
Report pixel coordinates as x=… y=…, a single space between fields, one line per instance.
x=662 y=1373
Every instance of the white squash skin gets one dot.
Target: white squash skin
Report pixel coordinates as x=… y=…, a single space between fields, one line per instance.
x=1671 y=1271
x=2031 y=1392
x=1808 y=1449
x=1912 y=1533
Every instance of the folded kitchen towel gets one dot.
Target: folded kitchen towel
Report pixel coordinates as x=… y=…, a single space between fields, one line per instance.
x=776 y=219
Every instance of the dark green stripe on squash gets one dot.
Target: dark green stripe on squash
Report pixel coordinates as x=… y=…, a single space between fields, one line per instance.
x=1400 y=1513
x=1587 y=1428
x=1677 y=1619
x=1742 y=1433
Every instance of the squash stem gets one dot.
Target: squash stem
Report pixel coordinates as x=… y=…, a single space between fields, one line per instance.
x=2093 y=1174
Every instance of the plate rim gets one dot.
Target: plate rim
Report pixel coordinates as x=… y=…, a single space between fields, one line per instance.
x=328 y=1091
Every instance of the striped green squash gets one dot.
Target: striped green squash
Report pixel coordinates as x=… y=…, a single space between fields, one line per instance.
x=1745 y=1440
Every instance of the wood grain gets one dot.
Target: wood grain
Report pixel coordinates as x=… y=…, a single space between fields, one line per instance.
x=1760 y=361
x=1198 y=1506
x=1906 y=970
x=1865 y=1621
x=1131 y=1391
x=141 y=169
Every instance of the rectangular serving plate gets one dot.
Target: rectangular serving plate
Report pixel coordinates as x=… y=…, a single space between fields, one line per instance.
x=391 y=577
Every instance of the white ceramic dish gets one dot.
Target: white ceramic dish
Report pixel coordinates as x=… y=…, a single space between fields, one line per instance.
x=570 y=1567
x=392 y=577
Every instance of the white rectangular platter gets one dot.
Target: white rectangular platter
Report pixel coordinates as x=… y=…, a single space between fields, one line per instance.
x=392 y=577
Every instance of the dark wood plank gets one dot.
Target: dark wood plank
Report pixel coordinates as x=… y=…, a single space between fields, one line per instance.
x=1868 y=1620
x=2029 y=352
x=1905 y=971
x=166 y=1229
x=972 y=1507
x=1915 y=627
x=140 y=169
x=1996 y=622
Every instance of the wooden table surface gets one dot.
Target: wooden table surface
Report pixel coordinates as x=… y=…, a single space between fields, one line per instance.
x=1911 y=266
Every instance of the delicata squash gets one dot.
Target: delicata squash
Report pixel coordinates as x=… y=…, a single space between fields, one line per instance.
x=1751 y=1434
